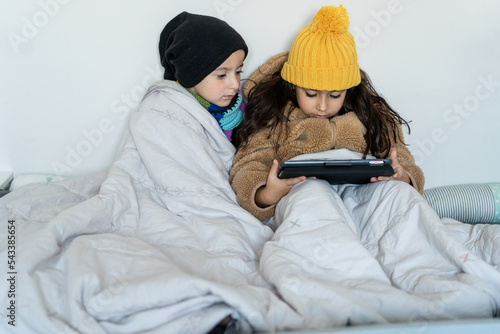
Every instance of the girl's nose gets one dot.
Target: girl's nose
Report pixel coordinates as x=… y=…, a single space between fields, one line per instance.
x=321 y=104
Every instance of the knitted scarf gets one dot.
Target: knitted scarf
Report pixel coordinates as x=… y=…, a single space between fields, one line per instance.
x=228 y=117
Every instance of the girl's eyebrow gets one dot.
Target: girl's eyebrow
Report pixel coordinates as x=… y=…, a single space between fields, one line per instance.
x=330 y=91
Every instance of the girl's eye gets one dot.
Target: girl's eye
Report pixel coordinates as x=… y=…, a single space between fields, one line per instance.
x=221 y=76
x=310 y=95
x=335 y=96
x=239 y=72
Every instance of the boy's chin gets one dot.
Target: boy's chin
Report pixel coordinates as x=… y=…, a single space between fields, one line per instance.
x=223 y=104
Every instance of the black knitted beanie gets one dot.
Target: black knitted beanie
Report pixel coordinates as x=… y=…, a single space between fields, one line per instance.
x=192 y=46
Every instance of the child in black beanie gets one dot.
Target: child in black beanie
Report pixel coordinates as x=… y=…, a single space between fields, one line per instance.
x=205 y=55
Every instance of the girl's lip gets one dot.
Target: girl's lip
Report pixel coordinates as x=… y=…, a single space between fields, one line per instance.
x=321 y=116
x=229 y=97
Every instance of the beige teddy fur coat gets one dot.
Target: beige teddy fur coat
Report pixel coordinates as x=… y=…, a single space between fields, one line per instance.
x=252 y=164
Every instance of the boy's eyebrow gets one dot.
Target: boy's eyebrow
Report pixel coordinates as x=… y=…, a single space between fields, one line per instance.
x=227 y=68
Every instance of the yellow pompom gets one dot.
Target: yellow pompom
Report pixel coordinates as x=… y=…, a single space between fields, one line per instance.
x=330 y=19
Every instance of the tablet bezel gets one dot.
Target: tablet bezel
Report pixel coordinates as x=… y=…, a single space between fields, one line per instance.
x=356 y=171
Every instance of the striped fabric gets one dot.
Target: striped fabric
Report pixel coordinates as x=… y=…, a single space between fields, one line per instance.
x=468 y=203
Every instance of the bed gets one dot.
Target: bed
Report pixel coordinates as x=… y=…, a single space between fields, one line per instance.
x=158 y=244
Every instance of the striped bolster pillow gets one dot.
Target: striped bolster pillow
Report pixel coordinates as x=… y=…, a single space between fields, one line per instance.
x=467 y=203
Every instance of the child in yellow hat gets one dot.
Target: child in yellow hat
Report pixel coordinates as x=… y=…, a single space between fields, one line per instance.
x=313 y=98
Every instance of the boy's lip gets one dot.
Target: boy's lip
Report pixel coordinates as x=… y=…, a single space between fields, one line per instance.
x=228 y=97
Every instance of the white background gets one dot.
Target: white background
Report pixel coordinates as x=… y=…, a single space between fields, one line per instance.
x=73 y=71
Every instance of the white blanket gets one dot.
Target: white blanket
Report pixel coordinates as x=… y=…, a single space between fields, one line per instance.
x=158 y=244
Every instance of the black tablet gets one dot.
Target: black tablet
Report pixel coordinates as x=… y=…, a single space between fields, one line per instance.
x=356 y=171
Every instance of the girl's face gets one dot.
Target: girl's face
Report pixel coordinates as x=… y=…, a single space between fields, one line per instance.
x=319 y=103
x=220 y=86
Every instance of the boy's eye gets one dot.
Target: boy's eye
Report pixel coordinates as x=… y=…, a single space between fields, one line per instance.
x=221 y=76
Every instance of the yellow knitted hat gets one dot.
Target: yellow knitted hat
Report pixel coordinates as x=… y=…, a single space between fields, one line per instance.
x=323 y=55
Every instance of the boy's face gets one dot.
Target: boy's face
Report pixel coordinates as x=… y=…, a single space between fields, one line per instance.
x=319 y=103
x=220 y=86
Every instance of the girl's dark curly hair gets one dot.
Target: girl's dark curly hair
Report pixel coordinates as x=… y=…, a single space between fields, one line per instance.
x=268 y=102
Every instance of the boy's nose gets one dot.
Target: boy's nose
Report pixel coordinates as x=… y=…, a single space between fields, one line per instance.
x=234 y=82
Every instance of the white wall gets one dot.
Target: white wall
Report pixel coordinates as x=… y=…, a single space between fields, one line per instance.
x=72 y=72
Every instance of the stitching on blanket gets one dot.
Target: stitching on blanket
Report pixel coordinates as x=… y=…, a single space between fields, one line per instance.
x=168 y=94
x=169 y=115
x=171 y=93
x=179 y=121
x=64 y=189
x=175 y=191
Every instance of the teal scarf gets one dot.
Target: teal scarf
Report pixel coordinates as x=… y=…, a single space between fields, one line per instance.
x=228 y=117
